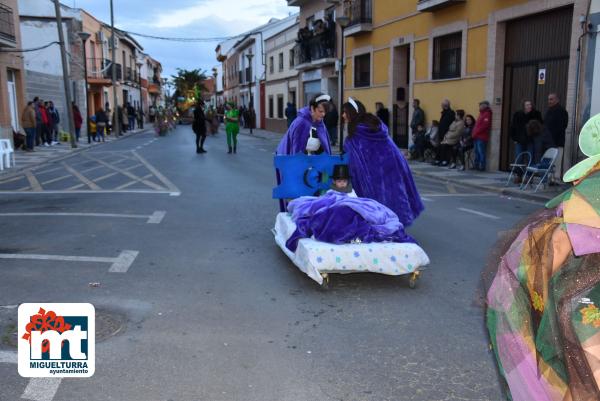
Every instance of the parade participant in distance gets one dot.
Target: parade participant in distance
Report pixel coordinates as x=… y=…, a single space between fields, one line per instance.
x=298 y=138
x=199 y=126
x=232 y=126
x=379 y=170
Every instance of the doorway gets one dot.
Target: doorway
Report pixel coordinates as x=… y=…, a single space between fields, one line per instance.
x=12 y=101
x=400 y=103
x=544 y=52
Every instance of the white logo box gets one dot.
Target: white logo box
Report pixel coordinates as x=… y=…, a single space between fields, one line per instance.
x=77 y=363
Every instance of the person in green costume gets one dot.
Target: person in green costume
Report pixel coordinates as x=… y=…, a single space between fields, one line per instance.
x=232 y=126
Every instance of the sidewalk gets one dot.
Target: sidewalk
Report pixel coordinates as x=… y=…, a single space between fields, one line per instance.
x=26 y=160
x=493 y=181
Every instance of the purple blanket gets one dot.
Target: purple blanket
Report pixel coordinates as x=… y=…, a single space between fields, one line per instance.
x=338 y=219
x=380 y=172
x=294 y=141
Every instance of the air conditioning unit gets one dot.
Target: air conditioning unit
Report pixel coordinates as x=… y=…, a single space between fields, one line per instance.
x=100 y=38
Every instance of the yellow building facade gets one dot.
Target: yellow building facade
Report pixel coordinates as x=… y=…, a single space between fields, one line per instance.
x=465 y=51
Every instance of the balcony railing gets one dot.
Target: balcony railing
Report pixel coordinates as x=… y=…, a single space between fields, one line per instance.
x=128 y=74
x=314 y=48
x=101 y=68
x=7 y=25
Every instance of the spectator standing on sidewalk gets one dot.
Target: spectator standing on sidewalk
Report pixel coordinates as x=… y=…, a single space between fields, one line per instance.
x=383 y=113
x=556 y=121
x=418 y=117
x=37 y=103
x=28 y=122
x=131 y=116
x=447 y=118
x=331 y=123
x=140 y=117
x=101 y=122
x=109 y=115
x=124 y=118
x=290 y=113
x=46 y=133
x=520 y=133
x=481 y=134
x=78 y=120
x=54 y=121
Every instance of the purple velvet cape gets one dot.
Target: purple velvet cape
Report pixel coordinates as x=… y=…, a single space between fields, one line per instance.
x=380 y=172
x=338 y=219
x=294 y=141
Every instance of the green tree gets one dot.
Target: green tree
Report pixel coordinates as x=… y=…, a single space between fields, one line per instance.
x=189 y=83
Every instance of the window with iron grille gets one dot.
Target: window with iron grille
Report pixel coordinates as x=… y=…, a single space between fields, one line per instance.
x=271 y=65
x=7 y=26
x=279 y=106
x=292 y=58
x=447 y=56
x=280 y=62
x=362 y=70
x=270 y=106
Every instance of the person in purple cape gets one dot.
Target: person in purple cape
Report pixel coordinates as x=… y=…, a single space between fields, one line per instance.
x=378 y=169
x=308 y=134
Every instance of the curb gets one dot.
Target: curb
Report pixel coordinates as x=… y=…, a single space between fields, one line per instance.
x=500 y=191
x=18 y=170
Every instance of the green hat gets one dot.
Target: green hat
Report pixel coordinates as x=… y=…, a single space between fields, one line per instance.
x=589 y=143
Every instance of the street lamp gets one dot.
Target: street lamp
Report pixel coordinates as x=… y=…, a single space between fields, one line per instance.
x=215 y=73
x=343 y=21
x=251 y=101
x=84 y=37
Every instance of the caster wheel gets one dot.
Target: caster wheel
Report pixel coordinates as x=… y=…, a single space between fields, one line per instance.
x=326 y=281
x=412 y=281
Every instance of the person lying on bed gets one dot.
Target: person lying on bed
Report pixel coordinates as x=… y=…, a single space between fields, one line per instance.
x=338 y=217
x=341 y=180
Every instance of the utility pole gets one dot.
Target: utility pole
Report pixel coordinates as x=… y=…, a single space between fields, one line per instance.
x=63 y=55
x=117 y=116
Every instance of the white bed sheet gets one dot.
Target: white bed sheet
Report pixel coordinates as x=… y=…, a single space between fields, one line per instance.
x=315 y=257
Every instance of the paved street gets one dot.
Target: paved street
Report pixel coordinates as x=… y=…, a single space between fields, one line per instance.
x=196 y=302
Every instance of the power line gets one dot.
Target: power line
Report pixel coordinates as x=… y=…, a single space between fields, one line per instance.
x=189 y=40
x=5 y=50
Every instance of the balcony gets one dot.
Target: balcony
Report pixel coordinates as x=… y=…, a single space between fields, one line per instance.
x=129 y=76
x=433 y=5
x=297 y=3
x=99 y=71
x=361 y=17
x=7 y=27
x=315 y=51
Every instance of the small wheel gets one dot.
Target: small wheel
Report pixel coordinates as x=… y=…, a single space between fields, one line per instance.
x=412 y=281
x=326 y=281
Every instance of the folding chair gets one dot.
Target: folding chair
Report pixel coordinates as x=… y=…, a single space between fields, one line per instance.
x=520 y=165
x=545 y=169
x=7 y=154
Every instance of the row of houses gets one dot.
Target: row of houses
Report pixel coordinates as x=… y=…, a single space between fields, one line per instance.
x=396 y=51
x=30 y=63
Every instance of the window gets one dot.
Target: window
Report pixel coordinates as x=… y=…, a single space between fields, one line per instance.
x=270 y=106
x=292 y=58
x=447 y=56
x=279 y=106
x=280 y=62
x=362 y=70
x=271 y=65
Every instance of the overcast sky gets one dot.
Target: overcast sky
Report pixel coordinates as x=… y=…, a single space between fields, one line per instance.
x=185 y=18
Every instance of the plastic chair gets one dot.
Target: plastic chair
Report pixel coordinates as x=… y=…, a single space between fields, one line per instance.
x=7 y=153
x=520 y=165
x=544 y=169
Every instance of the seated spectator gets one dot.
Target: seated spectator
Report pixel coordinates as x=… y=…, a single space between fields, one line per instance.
x=466 y=141
x=432 y=141
x=448 y=147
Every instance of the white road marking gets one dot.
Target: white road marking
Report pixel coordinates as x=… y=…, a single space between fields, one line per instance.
x=157 y=174
x=41 y=389
x=459 y=195
x=154 y=218
x=425 y=199
x=81 y=177
x=8 y=357
x=489 y=216
x=109 y=191
x=123 y=262
x=35 y=184
x=120 y=264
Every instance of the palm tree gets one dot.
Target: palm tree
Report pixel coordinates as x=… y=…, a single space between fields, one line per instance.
x=189 y=83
